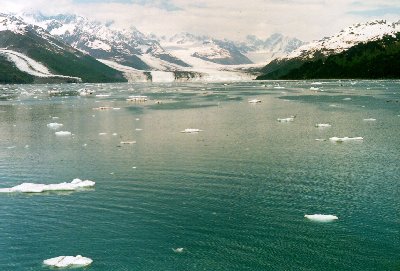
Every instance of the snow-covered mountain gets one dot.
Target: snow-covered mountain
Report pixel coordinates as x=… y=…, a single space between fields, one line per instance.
x=275 y=46
x=31 y=53
x=128 y=47
x=197 y=49
x=347 y=38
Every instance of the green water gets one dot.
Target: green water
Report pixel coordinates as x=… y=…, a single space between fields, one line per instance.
x=233 y=196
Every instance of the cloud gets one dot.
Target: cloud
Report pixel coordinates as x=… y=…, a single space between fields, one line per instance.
x=233 y=19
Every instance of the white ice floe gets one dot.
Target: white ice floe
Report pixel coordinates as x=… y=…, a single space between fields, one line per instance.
x=127 y=142
x=343 y=139
x=86 y=92
x=54 y=125
x=291 y=118
x=68 y=261
x=254 y=101
x=137 y=98
x=178 y=250
x=347 y=99
x=39 y=188
x=314 y=88
x=321 y=218
x=322 y=125
x=370 y=119
x=191 y=130
x=63 y=133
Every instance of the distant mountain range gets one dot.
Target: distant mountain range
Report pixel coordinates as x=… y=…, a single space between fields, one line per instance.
x=132 y=55
x=364 y=50
x=71 y=48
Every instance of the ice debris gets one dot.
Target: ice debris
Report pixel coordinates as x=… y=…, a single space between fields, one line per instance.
x=322 y=125
x=63 y=133
x=343 y=139
x=291 y=118
x=127 y=142
x=54 y=125
x=68 y=261
x=191 y=130
x=254 y=101
x=39 y=188
x=321 y=218
x=178 y=250
x=370 y=119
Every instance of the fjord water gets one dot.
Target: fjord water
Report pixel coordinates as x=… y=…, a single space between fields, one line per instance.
x=233 y=196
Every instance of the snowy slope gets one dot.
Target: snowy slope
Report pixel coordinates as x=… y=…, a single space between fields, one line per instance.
x=30 y=66
x=346 y=38
x=128 y=47
x=275 y=46
x=188 y=46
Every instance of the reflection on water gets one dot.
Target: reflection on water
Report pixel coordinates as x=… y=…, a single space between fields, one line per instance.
x=233 y=196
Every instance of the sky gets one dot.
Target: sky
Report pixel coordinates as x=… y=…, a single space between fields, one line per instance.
x=231 y=19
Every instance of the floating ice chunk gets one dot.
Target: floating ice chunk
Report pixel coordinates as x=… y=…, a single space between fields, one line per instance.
x=102 y=134
x=39 y=188
x=254 y=101
x=102 y=95
x=128 y=142
x=370 y=119
x=191 y=130
x=314 y=88
x=278 y=87
x=114 y=134
x=347 y=99
x=86 y=92
x=322 y=125
x=178 y=250
x=291 y=118
x=63 y=133
x=54 y=125
x=137 y=98
x=103 y=108
x=68 y=261
x=343 y=139
x=316 y=83
x=320 y=139
x=321 y=218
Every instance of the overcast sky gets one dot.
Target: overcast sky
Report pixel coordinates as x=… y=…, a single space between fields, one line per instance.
x=232 y=19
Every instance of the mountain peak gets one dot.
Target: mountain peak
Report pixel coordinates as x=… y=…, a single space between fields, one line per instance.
x=346 y=38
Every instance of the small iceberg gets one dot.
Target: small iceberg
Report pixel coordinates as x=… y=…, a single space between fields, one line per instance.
x=127 y=142
x=178 y=250
x=322 y=125
x=86 y=92
x=137 y=98
x=63 y=133
x=291 y=118
x=343 y=139
x=347 y=99
x=254 y=101
x=54 y=125
x=314 y=88
x=191 y=130
x=68 y=261
x=39 y=188
x=321 y=218
x=103 y=108
x=370 y=119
